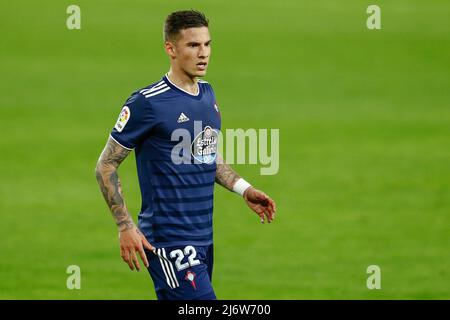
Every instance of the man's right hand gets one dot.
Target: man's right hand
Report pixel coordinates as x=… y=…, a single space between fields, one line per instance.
x=132 y=241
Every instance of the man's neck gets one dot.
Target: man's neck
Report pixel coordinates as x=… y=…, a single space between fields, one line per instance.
x=183 y=81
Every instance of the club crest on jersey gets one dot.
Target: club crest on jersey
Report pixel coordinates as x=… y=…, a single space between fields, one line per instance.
x=204 y=146
x=123 y=119
x=190 y=276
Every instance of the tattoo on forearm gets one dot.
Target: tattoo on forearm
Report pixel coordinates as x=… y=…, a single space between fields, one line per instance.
x=225 y=175
x=109 y=182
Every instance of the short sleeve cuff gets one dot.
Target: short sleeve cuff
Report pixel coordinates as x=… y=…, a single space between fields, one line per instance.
x=121 y=143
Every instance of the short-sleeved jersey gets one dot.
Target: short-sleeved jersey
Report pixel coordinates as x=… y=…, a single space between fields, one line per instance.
x=174 y=134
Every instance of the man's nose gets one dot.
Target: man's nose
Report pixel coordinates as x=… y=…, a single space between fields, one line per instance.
x=203 y=52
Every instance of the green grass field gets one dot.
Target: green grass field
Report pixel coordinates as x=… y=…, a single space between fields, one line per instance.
x=364 y=119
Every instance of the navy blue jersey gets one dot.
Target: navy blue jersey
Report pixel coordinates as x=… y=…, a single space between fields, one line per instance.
x=174 y=134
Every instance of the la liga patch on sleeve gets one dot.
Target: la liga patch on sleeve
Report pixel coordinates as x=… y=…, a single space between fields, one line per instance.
x=123 y=119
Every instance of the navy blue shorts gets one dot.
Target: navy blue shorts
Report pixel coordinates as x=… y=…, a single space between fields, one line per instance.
x=182 y=272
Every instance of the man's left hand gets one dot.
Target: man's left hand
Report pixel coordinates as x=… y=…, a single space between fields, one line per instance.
x=261 y=203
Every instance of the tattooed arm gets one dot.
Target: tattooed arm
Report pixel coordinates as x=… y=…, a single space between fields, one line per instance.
x=131 y=239
x=109 y=182
x=225 y=176
x=257 y=200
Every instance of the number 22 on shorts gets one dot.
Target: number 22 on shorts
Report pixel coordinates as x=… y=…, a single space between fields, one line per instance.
x=188 y=251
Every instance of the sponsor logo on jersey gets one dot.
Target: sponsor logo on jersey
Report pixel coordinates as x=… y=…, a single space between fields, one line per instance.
x=123 y=119
x=204 y=146
x=182 y=118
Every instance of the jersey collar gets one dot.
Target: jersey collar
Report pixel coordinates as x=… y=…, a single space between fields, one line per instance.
x=197 y=96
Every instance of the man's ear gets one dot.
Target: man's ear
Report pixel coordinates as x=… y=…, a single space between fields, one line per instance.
x=170 y=49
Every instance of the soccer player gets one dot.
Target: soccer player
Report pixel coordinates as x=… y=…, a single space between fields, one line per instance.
x=173 y=126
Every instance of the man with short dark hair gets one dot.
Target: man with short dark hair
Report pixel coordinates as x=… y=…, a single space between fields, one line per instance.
x=174 y=238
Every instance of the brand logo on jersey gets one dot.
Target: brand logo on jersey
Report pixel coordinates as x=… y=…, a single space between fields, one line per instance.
x=204 y=146
x=182 y=118
x=216 y=107
x=123 y=119
x=190 y=276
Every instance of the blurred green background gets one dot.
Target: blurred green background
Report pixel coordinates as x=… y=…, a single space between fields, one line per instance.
x=364 y=119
